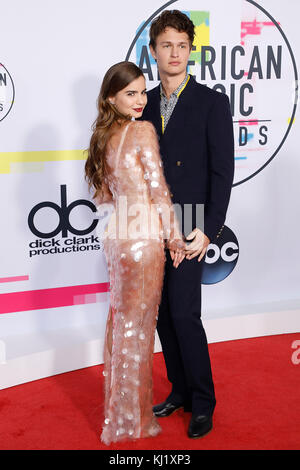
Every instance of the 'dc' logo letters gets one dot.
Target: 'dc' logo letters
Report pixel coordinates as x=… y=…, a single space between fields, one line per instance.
x=63 y=212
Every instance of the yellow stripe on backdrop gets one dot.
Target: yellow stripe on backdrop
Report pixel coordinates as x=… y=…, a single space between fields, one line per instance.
x=12 y=162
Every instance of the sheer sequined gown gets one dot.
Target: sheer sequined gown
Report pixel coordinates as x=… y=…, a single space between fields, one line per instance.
x=134 y=249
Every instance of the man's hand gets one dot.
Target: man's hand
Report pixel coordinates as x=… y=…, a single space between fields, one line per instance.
x=198 y=246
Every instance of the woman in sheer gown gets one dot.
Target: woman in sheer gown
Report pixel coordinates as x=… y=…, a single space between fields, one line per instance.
x=127 y=172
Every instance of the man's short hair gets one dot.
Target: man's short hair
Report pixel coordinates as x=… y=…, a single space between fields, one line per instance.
x=171 y=19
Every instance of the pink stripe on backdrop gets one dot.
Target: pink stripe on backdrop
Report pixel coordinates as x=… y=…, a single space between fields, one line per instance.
x=14 y=278
x=48 y=298
x=248 y=123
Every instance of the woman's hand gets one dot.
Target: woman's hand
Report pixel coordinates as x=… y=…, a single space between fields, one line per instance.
x=176 y=247
x=177 y=256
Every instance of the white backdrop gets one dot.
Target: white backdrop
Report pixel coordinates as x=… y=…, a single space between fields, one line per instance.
x=53 y=305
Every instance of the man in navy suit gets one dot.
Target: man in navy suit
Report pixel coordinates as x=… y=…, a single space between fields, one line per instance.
x=194 y=126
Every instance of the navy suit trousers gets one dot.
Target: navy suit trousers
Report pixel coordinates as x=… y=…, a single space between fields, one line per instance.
x=183 y=338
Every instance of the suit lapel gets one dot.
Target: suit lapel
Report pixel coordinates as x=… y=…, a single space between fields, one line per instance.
x=179 y=115
x=178 y=118
x=153 y=111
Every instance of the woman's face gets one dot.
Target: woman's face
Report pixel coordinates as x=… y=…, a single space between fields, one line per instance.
x=132 y=99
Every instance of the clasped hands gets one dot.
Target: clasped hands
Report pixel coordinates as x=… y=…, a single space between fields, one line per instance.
x=195 y=248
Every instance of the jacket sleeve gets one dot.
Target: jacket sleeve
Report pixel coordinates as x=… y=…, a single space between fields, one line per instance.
x=147 y=144
x=221 y=166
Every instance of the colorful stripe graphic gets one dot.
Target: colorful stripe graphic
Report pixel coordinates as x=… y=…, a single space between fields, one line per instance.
x=201 y=22
x=252 y=122
x=51 y=298
x=253 y=28
x=33 y=161
x=14 y=278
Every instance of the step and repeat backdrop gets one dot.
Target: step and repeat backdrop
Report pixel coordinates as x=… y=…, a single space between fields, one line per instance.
x=53 y=57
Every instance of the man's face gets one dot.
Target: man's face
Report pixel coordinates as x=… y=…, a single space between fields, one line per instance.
x=172 y=52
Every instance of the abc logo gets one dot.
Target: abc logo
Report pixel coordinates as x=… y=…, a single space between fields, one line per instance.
x=221 y=257
x=63 y=212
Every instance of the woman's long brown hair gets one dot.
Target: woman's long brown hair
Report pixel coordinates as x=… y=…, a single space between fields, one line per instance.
x=116 y=78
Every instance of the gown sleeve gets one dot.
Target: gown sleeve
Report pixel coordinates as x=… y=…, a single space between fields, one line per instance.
x=148 y=147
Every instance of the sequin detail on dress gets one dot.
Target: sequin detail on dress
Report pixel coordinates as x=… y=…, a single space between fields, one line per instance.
x=136 y=267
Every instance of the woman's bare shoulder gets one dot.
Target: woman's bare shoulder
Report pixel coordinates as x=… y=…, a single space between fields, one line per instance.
x=143 y=128
x=143 y=125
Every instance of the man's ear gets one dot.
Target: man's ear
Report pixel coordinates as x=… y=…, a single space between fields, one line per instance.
x=152 y=52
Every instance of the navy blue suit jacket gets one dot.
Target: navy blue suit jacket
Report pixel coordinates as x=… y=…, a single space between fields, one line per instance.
x=197 y=150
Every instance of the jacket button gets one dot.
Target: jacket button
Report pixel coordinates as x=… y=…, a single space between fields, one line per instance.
x=178 y=163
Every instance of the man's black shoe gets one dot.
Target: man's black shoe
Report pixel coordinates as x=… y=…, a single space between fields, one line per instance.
x=165 y=409
x=199 y=426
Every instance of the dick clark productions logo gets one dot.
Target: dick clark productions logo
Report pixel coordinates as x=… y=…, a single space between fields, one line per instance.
x=47 y=243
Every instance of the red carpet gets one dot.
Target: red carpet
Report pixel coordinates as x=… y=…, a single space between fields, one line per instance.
x=258 y=407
